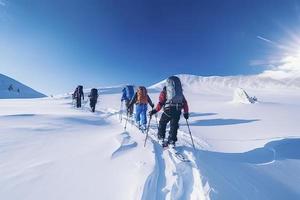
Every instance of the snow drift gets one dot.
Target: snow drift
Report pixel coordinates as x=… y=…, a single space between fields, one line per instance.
x=11 y=89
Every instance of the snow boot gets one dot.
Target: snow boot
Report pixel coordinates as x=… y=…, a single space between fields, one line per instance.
x=165 y=144
x=143 y=127
x=138 y=125
x=171 y=144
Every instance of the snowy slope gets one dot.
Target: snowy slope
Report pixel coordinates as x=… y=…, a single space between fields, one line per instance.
x=194 y=83
x=50 y=150
x=10 y=88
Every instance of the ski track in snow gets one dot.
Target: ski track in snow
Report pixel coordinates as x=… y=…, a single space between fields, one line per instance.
x=172 y=179
x=183 y=179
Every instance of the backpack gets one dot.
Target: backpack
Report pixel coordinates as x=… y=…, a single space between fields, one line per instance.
x=142 y=96
x=94 y=93
x=129 y=89
x=80 y=88
x=174 y=91
x=78 y=92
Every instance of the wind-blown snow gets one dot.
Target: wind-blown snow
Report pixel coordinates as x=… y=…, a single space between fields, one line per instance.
x=50 y=150
x=12 y=89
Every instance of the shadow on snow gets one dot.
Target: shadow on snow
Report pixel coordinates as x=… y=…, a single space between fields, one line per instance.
x=86 y=121
x=156 y=181
x=221 y=122
x=250 y=175
x=20 y=115
x=194 y=114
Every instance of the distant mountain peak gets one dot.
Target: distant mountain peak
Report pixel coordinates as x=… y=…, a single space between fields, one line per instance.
x=11 y=89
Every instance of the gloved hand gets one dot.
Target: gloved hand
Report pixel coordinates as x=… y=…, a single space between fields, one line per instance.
x=152 y=106
x=186 y=115
x=152 y=112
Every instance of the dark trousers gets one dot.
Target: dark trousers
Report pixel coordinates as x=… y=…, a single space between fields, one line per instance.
x=171 y=115
x=130 y=109
x=93 y=104
x=78 y=102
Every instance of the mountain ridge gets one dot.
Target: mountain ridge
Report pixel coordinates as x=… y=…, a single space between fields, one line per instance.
x=232 y=82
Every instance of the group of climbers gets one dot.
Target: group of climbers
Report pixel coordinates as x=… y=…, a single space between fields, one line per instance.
x=171 y=100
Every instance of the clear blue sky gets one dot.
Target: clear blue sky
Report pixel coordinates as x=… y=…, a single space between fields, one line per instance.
x=55 y=45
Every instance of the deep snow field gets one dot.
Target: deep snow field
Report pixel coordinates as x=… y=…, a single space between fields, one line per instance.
x=49 y=150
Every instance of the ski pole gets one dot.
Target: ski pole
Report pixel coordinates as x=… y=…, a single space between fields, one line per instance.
x=84 y=103
x=187 y=123
x=126 y=121
x=147 y=130
x=121 y=112
x=87 y=101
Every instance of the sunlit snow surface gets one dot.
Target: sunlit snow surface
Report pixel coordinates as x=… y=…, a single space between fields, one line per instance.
x=49 y=150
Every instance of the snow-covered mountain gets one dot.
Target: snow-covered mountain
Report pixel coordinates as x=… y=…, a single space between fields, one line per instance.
x=11 y=89
x=194 y=83
x=49 y=149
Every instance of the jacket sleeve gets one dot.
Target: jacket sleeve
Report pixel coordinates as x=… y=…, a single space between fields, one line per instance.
x=185 y=106
x=161 y=101
x=150 y=101
x=133 y=100
x=82 y=93
x=124 y=97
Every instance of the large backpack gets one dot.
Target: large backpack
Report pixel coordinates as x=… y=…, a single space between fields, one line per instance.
x=78 y=92
x=174 y=91
x=80 y=88
x=94 y=93
x=142 y=96
x=129 y=91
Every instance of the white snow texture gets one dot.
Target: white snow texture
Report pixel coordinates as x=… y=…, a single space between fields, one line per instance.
x=52 y=151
